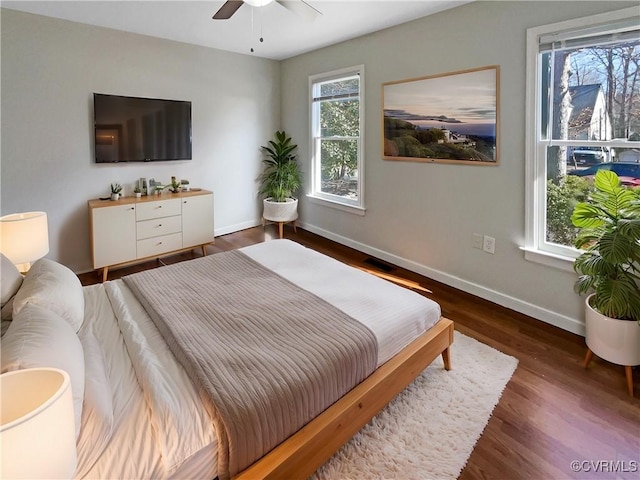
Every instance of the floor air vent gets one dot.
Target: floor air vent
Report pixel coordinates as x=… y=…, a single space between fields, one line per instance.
x=380 y=265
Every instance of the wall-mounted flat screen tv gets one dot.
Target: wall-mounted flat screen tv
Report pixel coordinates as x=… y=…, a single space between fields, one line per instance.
x=132 y=129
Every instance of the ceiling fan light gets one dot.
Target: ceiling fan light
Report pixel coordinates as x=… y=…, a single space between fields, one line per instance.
x=258 y=3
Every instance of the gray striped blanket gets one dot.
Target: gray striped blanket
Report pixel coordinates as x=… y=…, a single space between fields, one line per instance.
x=266 y=355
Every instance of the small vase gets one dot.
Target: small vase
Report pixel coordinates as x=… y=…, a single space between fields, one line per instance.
x=138 y=194
x=115 y=196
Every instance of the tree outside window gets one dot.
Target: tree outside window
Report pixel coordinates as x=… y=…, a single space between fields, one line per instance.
x=587 y=117
x=336 y=136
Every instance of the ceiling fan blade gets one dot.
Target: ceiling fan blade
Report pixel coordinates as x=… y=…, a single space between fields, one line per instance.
x=228 y=9
x=301 y=8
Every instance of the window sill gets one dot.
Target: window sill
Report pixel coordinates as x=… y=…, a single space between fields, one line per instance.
x=560 y=262
x=338 y=206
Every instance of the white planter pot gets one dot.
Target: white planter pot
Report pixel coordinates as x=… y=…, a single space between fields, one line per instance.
x=286 y=211
x=115 y=196
x=617 y=341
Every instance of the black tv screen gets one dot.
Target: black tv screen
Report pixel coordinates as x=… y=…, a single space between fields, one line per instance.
x=132 y=129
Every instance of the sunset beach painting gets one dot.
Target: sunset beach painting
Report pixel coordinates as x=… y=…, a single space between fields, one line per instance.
x=450 y=118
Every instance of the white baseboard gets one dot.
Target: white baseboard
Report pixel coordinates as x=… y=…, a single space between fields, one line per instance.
x=237 y=227
x=534 y=311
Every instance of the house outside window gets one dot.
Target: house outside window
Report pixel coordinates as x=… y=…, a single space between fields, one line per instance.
x=337 y=139
x=583 y=114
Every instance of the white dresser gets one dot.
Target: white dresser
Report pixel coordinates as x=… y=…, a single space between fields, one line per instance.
x=136 y=229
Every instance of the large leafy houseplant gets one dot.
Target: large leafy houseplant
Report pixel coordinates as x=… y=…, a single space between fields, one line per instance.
x=609 y=223
x=281 y=177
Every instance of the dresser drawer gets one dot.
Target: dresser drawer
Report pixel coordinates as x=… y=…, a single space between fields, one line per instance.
x=158 y=227
x=161 y=208
x=150 y=247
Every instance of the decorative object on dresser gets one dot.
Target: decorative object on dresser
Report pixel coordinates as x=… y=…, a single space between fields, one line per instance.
x=176 y=186
x=24 y=237
x=38 y=436
x=279 y=181
x=143 y=184
x=609 y=224
x=137 y=191
x=140 y=229
x=116 y=189
x=157 y=187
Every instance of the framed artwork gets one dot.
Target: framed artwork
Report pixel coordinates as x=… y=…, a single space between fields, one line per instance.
x=447 y=118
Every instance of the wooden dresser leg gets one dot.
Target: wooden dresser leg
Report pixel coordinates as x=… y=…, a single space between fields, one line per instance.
x=204 y=251
x=294 y=227
x=280 y=228
x=105 y=274
x=628 y=370
x=587 y=358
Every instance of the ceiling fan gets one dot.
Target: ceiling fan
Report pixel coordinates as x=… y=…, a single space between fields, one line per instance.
x=299 y=7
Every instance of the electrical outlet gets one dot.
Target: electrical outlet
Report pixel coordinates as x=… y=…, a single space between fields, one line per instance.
x=489 y=244
x=477 y=241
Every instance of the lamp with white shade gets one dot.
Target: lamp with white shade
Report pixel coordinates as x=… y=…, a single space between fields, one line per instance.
x=24 y=238
x=37 y=433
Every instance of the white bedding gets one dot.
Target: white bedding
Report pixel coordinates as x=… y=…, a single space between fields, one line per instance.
x=157 y=411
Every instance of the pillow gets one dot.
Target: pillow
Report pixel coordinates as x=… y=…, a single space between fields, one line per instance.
x=97 y=409
x=10 y=280
x=38 y=337
x=55 y=287
x=6 y=313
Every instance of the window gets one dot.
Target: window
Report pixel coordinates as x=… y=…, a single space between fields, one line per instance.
x=337 y=138
x=583 y=114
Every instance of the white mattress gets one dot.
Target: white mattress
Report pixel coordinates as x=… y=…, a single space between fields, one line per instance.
x=157 y=411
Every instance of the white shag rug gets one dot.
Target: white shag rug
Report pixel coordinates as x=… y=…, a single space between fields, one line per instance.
x=429 y=430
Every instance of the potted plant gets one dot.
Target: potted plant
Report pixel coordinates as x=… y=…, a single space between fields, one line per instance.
x=280 y=180
x=609 y=269
x=176 y=186
x=137 y=190
x=116 y=188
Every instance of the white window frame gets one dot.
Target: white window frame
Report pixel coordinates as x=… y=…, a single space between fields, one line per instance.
x=536 y=248
x=315 y=195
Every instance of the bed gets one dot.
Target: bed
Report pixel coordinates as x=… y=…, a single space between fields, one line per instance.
x=137 y=393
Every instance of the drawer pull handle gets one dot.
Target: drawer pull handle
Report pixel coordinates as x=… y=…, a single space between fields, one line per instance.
x=132 y=208
x=159 y=224
x=159 y=243
x=159 y=206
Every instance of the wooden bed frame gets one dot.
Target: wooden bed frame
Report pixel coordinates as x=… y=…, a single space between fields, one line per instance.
x=302 y=453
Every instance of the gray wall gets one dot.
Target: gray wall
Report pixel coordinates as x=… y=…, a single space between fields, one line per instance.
x=50 y=68
x=423 y=216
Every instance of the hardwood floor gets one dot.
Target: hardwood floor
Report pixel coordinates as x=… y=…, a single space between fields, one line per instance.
x=553 y=411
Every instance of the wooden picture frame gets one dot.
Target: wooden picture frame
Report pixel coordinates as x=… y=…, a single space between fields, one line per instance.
x=447 y=118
